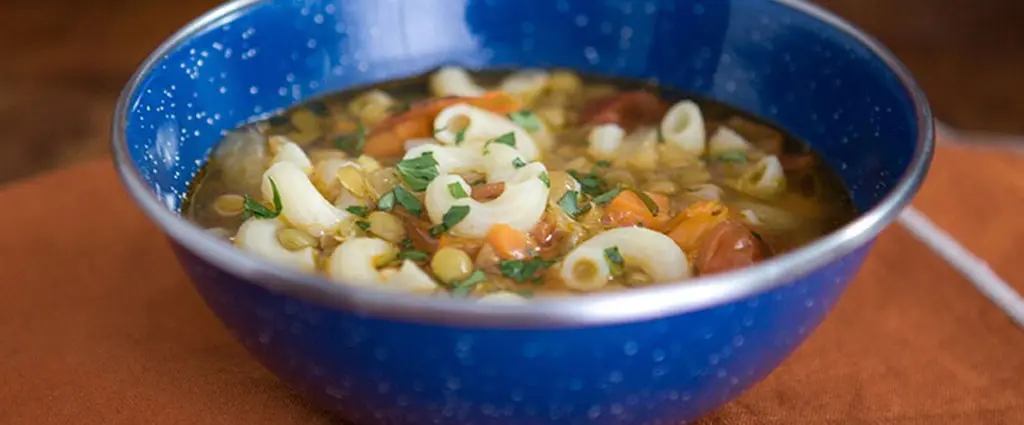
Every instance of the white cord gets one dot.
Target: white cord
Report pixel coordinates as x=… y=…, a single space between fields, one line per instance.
x=969 y=265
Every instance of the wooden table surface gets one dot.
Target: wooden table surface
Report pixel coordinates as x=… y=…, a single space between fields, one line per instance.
x=66 y=61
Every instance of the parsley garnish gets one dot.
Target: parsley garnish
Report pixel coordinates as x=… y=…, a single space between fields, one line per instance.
x=518 y=163
x=646 y=199
x=569 y=202
x=462 y=288
x=733 y=157
x=661 y=137
x=408 y=201
x=615 y=261
x=457 y=191
x=354 y=142
x=607 y=197
x=545 y=178
x=440 y=129
x=526 y=119
x=418 y=172
x=604 y=164
x=590 y=183
x=363 y=225
x=460 y=136
x=412 y=254
x=386 y=202
x=524 y=270
x=357 y=210
x=252 y=208
x=508 y=139
x=452 y=217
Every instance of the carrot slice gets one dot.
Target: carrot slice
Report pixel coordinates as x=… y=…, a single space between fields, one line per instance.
x=388 y=138
x=508 y=243
x=689 y=227
x=627 y=209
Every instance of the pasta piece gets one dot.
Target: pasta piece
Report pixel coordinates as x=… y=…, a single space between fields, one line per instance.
x=588 y=268
x=605 y=140
x=454 y=81
x=683 y=127
x=356 y=262
x=764 y=179
x=520 y=205
x=259 y=236
x=705 y=191
x=302 y=205
x=450 y=159
x=502 y=297
x=526 y=85
x=726 y=140
x=285 y=150
x=462 y=123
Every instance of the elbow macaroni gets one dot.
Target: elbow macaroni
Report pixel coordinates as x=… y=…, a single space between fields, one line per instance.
x=587 y=269
x=285 y=150
x=605 y=140
x=502 y=297
x=521 y=205
x=764 y=179
x=526 y=84
x=302 y=205
x=683 y=127
x=726 y=140
x=356 y=261
x=481 y=125
x=454 y=81
x=259 y=236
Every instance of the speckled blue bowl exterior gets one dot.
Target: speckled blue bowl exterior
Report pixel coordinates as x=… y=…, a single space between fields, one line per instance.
x=766 y=57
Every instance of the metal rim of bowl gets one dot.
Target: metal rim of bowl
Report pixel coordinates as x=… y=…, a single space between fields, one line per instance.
x=588 y=310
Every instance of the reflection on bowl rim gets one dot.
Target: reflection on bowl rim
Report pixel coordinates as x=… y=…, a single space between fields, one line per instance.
x=592 y=309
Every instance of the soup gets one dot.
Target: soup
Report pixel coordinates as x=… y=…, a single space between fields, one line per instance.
x=501 y=186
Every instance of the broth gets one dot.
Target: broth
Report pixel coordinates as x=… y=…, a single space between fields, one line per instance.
x=503 y=185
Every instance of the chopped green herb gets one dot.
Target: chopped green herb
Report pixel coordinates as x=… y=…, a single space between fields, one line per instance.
x=462 y=288
x=733 y=157
x=646 y=199
x=661 y=136
x=363 y=225
x=478 y=182
x=452 y=217
x=590 y=183
x=604 y=164
x=418 y=172
x=406 y=244
x=523 y=270
x=357 y=210
x=408 y=201
x=440 y=129
x=460 y=136
x=607 y=197
x=386 y=202
x=354 y=142
x=413 y=255
x=457 y=191
x=518 y=163
x=757 y=235
x=545 y=178
x=615 y=260
x=526 y=119
x=569 y=202
x=508 y=139
x=253 y=208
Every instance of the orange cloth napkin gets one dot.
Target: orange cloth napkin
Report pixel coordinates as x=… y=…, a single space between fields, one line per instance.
x=99 y=325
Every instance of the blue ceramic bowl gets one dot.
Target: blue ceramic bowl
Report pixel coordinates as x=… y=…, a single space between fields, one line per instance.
x=649 y=356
